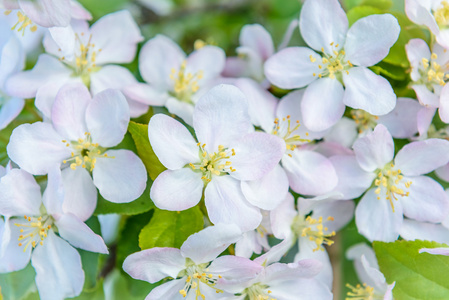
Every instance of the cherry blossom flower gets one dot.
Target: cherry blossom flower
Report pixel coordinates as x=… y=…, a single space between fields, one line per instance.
x=339 y=75
x=227 y=152
x=195 y=270
x=29 y=232
x=81 y=130
x=78 y=53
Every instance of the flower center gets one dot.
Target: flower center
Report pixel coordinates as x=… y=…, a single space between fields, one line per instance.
x=363 y=120
x=197 y=274
x=34 y=231
x=214 y=163
x=84 y=153
x=442 y=15
x=387 y=182
x=361 y=292
x=314 y=230
x=332 y=64
x=432 y=73
x=24 y=22
x=258 y=292
x=186 y=83
x=283 y=129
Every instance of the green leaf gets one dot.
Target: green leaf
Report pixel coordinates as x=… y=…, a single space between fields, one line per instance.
x=360 y=12
x=138 y=206
x=139 y=133
x=170 y=228
x=380 y=4
x=122 y=286
x=17 y=285
x=391 y=71
x=417 y=276
x=99 y=8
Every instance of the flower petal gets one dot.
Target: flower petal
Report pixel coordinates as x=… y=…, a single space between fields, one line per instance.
x=402 y=121
x=370 y=38
x=13 y=257
x=113 y=174
x=368 y=91
x=146 y=94
x=425 y=96
x=177 y=190
x=414 y=230
x=111 y=77
x=323 y=23
x=416 y=50
x=47 y=13
x=10 y=109
x=209 y=60
x=226 y=204
x=419 y=13
x=107 y=118
x=322 y=104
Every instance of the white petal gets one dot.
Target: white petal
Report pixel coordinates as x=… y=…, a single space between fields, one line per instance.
x=376 y=220
x=146 y=94
x=113 y=174
x=221 y=116
x=323 y=22
x=79 y=234
x=172 y=142
x=368 y=91
x=444 y=105
x=344 y=133
x=402 y=121
x=269 y=191
x=180 y=108
x=416 y=50
x=292 y=67
x=419 y=13
x=209 y=60
x=177 y=190
x=37 y=147
x=107 y=118
x=374 y=150
x=10 y=109
x=206 y=245
x=256 y=37
x=54 y=192
x=425 y=96
x=47 y=13
x=111 y=77
x=369 y=39
x=59 y=273
x=425 y=117
x=226 y=204
x=414 y=230
x=13 y=258
x=154 y=264
x=170 y=290
x=80 y=197
x=322 y=104
x=309 y=173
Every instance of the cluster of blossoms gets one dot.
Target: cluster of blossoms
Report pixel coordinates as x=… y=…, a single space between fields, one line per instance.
x=275 y=178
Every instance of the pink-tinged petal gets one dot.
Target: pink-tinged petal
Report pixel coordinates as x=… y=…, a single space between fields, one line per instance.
x=402 y=122
x=427 y=201
x=309 y=173
x=322 y=104
x=54 y=192
x=256 y=37
x=117 y=35
x=292 y=67
x=442 y=38
x=323 y=23
x=19 y=194
x=443 y=110
x=375 y=278
x=341 y=212
x=79 y=234
x=443 y=172
x=172 y=142
x=182 y=109
x=343 y=133
x=47 y=13
x=376 y=220
x=353 y=181
x=25 y=84
x=303 y=288
x=422 y=157
x=80 y=193
x=425 y=117
x=209 y=60
x=10 y=109
x=146 y=94
x=256 y=154
x=355 y=253
x=435 y=251
x=369 y=39
x=226 y=204
x=425 y=96
x=206 y=245
x=77 y=11
x=169 y=290
x=261 y=103
x=113 y=174
x=414 y=230
x=416 y=50
x=111 y=77
x=282 y=217
x=419 y=13
x=37 y=147
x=278 y=272
x=368 y=91
x=154 y=264
x=234 y=267
x=157 y=58
x=277 y=251
x=11 y=52
x=177 y=190
x=59 y=272
x=389 y=293
x=221 y=117
x=269 y=191
x=374 y=150
x=61 y=41
x=12 y=256
x=107 y=118
x=69 y=110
